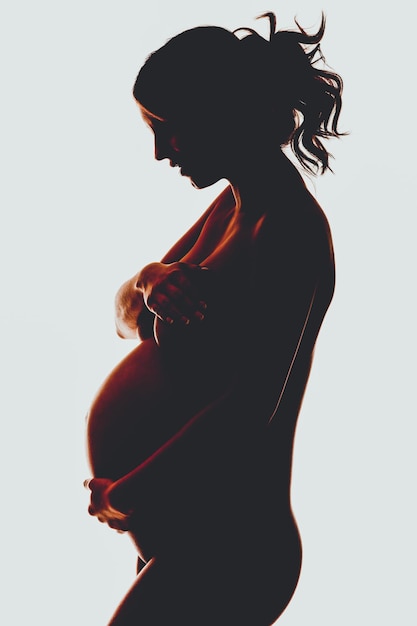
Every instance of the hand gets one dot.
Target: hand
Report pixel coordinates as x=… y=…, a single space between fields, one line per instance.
x=171 y=293
x=100 y=506
x=132 y=317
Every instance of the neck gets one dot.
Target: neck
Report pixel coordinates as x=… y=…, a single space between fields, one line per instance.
x=260 y=179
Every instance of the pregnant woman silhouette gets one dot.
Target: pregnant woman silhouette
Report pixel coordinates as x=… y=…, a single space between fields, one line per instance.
x=190 y=437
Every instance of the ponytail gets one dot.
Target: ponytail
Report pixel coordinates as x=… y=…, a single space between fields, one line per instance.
x=306 y=100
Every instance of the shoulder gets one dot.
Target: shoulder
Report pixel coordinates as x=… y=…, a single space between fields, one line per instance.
x=293 y=254
x=295 y=230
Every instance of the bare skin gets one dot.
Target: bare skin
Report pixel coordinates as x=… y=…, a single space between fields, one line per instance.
x=182 y=444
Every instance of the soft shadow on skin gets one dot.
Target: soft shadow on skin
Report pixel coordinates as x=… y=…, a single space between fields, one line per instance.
x=190 y=438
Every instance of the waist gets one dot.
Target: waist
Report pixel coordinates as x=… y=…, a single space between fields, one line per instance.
x=215 y=534
x=235 y=512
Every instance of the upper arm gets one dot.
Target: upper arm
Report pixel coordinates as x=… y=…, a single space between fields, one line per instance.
x=284 y=267
x=291 y=255
x=286 y=272
x=187 y=241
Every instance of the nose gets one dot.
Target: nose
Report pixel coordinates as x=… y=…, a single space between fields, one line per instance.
x=165 y=148
x=161 y=149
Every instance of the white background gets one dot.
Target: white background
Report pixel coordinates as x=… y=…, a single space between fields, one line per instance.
x=84 y=206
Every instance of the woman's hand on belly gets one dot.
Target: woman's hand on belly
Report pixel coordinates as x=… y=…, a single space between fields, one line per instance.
x=101 y=508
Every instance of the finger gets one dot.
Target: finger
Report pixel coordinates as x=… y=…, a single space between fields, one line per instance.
x=173 y=307
x=119 y=525
x=90 y=483
x=170 y=294
x=94 y=510
x=184 y=304
x=180 y=279
x=159 y=304
x=191 y=290
x=177 y=302
x=97 y=484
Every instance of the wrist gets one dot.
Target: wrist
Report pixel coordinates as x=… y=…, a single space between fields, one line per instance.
x=146 y=274
x=115 y=506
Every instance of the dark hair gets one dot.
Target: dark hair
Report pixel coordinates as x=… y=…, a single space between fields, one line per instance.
x=178 y=78
x=188 y=73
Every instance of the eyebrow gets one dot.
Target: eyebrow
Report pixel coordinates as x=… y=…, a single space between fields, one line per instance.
x=149 y=115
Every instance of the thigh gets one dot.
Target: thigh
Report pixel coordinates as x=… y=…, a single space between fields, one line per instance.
x=213 y=589
x=165 y=593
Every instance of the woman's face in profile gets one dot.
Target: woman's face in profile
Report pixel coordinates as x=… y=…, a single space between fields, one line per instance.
x=189 y=146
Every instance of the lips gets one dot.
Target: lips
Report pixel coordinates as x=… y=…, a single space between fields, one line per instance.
x=182 y=172
x=175 y=164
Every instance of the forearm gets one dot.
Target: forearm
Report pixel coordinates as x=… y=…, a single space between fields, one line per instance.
x=130 y=306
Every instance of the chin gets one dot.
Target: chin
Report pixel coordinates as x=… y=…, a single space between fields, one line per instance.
x=201 y=181
x=202 y=185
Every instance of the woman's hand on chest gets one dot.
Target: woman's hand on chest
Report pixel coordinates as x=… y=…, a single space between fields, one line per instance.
x=170 y=291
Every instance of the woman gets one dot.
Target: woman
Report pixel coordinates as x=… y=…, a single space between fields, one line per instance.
x=190 y=437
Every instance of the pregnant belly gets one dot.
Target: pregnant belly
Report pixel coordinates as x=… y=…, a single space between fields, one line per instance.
x=143 y=402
